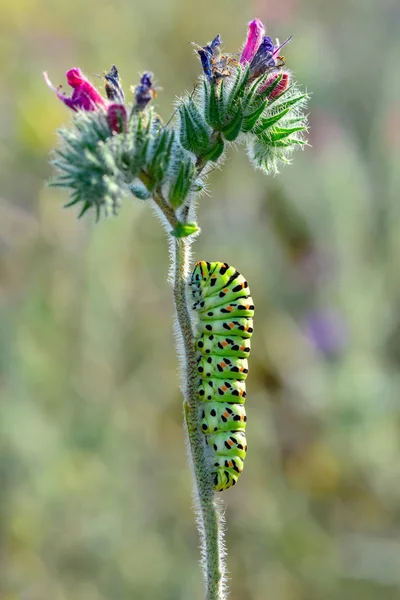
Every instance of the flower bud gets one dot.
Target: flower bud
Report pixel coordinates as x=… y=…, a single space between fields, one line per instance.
x=253 y=41
x=144 y=92
x=281 y=87
x=117 y=118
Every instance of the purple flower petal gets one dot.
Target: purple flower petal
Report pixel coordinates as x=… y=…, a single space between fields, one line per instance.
x=264 y=58
x=208 y=55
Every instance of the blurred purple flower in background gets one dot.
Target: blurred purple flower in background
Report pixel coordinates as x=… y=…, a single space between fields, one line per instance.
x=327 y=331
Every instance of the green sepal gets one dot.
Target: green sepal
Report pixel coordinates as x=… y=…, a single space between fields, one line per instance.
x=133 y=153
x=62 y=181
x=279 y=129
x=268 y=122
x=252 y=94
x=142 y=134
x=288 y=142
x=66 y=167
x=238 y=79
x=162 y=152
x=233 y=128
x=194 y=132
x=85 y=208
x=295 y=120
x=280 y=133
x=214 y=151
x=183 y=230
x=97 y=213
x=212 y=105
x=183 y=184
x=291 y=102
x=239 y=88
x=76 y=198
x=250 y=120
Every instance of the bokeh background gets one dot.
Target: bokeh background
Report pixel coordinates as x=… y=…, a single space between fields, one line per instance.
x=95 y=490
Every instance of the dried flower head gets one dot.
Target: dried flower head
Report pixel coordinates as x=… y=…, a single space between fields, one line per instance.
x=113 y=87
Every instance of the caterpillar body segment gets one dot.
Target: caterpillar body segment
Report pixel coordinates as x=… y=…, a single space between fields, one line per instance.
x=221 y=390
x=225 y=346
x=225 y=312
x=242 y=327
x=217 y=417
x=222 y=368
x=233 y=445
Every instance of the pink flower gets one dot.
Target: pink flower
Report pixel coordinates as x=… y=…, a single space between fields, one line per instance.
x=253 y=41
x=84 y=97
x=281 y=87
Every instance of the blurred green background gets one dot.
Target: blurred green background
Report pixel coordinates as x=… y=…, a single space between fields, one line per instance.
x=95 y=490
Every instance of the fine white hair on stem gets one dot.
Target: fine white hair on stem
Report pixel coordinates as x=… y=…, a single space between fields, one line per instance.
x=209 y=517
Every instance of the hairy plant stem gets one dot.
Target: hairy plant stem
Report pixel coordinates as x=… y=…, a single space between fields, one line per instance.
x=209 y=519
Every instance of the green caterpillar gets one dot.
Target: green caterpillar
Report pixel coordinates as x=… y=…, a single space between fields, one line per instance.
x=225 y=325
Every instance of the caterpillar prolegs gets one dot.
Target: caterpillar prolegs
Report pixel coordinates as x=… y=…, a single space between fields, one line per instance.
x=225 y=325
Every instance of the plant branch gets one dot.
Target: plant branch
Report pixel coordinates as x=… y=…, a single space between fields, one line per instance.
x=165 y=208
x=202 y=162
x=209 y=519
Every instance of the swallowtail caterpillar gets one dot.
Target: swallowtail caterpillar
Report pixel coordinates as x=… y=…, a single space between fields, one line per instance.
x=225 y=325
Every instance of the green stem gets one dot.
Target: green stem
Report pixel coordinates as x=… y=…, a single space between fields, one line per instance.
x=165 y=208
x=209 y=518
